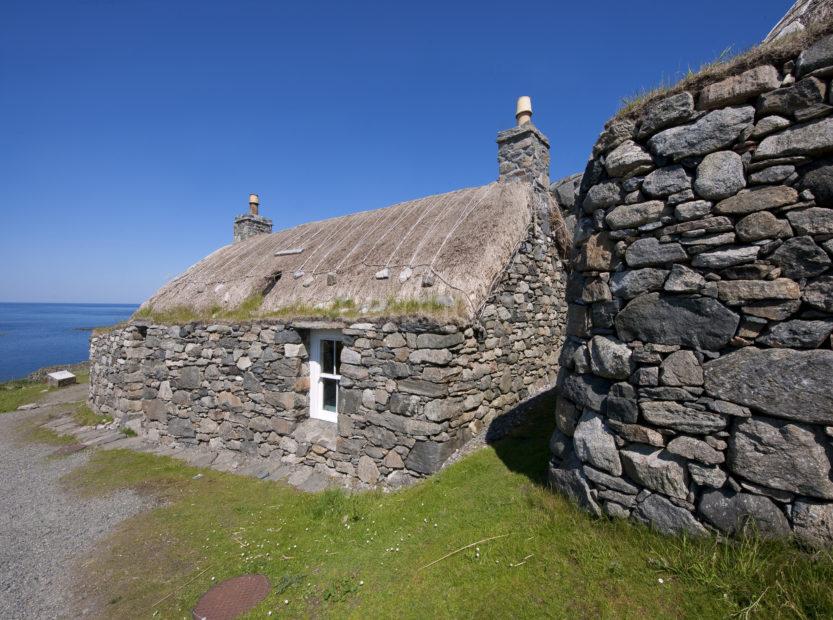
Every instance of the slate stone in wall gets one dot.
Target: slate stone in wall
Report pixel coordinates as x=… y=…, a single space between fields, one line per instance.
x=813 y=523
x=669 y=111
x=667 y=518
x=594 y=444
x=818 y=178
x=732 y=512
x=817 y=56
x=757 y=199
x=715 y=131
x=782 y=455
x=780 y=382
x=798 y=334
x=800 y=257
x=813 y=138
x=655 y=470
x=649 y=252
x=696 y=322
x=739 y=88
x=677 y=416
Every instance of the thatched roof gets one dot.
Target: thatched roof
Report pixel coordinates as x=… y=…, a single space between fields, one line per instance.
x=448 y=248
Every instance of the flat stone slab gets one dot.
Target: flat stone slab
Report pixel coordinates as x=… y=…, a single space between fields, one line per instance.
x=60 y=378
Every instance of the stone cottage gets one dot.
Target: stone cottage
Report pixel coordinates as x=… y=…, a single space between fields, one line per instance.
x=370 y=346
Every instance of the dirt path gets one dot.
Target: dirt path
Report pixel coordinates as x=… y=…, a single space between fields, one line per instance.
x=44 y=530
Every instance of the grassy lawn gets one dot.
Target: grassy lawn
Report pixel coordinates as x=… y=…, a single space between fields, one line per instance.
x=84 y=416
x=375 y=555
x=13 y=394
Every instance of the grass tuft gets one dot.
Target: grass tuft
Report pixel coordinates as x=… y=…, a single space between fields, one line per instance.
x=13 y=394
x=84 y=416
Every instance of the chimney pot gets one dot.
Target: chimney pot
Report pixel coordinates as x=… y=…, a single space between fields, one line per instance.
x=254 y=204
x=523 y=111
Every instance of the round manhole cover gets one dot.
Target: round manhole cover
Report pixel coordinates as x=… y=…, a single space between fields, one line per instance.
x=232 y=598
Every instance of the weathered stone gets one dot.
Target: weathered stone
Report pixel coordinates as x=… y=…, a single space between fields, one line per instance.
x=818 y=294
x=762 y=225
x=566 y=416
x=814 y=138
x=439 y=341
x=798 y=334
x=818 y=56
x=697 y=322
x=631 y=216
x=800 y=257
x=439 y=357
x=635 y=282
x=621 y=403
x=602 y=196
x=712 y=477
x=571 y=482
x=155 y=410
x=181 y=427
x=720 y=175
x=586 y=391
x=683 y=280
x=813 y=221
x=813 y=523
x=422 y=388
x=666 y=112
x=627 y=158
x=597 y=254
x=772 y=175
x=189 y=378
x=718 y=259
x=440 y=410
x=392 y=460
x=735 y=292
x=732 y=512
x=692 y=210
x=594 y=444
x=655 y=470
x=786 y=101
x=739 y=88
x=818 y=178
x=611 y=482
x=779 y=382
x=699 y=227
x=694 y=449
x=782 y=455
x=367 y=470
x=426 y=457
x=715 y=131
x=667 y=518
x=635 y=433
x=757 y=199
x=768 y=125
x=681 y=368
x=613 y=135
x=667 y=181
x=648 y=252
x=610 y=358
x=678 y=417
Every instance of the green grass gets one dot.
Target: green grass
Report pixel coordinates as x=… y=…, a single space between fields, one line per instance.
x=84 y=416
x=370 y=554
x=13 y=394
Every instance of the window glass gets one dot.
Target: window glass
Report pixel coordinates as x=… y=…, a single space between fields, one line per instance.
x=339 y=347
x=328 y=356
x=330 y=394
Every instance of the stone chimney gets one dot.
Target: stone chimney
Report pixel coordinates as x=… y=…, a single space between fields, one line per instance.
x=251 y=223
x=523 y=155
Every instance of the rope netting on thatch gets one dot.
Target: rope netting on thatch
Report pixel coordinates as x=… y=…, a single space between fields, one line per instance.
x=445 y=246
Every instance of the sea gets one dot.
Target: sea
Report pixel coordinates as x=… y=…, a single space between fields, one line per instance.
x=36 y=335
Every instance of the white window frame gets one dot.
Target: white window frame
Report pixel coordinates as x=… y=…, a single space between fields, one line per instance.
x=316 y=385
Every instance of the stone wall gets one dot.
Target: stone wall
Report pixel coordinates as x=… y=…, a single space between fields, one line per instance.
x=696 y=377
x=413 y=391
x=249 y=225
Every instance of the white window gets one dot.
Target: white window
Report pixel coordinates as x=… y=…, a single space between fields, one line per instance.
x=324 y=374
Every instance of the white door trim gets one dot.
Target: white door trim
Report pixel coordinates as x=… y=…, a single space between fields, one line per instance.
x=316 y=374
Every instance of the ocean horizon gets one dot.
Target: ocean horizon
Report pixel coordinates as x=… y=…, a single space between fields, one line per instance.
x=34 y=335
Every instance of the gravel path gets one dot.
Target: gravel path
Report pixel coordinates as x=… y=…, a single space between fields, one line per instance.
x=44 y=530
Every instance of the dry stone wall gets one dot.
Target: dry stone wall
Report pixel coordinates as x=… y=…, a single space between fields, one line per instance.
x=695 y=382
x=412 y=391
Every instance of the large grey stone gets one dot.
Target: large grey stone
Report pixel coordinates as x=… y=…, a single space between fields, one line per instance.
x=692 y=210
x=586 y=391
x=771 y=175
x=597 y=254
x=786 y=101
x=818 y=56
x=635 y=282
x=728 y=257
x=711 y=477
x=813 y=221
x=696 y=322
x=780 y=382
x=667 y=181
x=426 y=457
x=732 y=512
x=798 y=334
x=613 y=135
x=694 y=449
x=648 y=252
x=739 y=88
x=813 y=138
x=800 y=257
x=678 y=417
x=681 y=368
x=621 y=403
x=569 y=480
x=667 y=518
x=602 y=196
x=367 y=470
x=762 y=225
x=655 y=470
x=610 y=358
x=813 y=523
x=628 y=158
x=189 y=378
x=720 y=175
x=819 y=294
x=782 y=455
x=818 y=178
x=612 y=482
x=594 y=444
x=566 y=416
x=631 y=216
x=757 y=199
x=181 y=428
x=666 y=112
x=716 y=130
x=683 y=280
x=735 y=292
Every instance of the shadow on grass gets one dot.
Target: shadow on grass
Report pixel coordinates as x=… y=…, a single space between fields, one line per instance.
x=520 y=437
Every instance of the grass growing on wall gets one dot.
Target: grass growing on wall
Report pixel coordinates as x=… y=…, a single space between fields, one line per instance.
x=375 y=555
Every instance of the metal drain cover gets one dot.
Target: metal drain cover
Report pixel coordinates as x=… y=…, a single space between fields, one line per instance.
x=232 y=598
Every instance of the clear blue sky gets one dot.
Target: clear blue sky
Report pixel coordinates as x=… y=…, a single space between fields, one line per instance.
x=131 y=133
